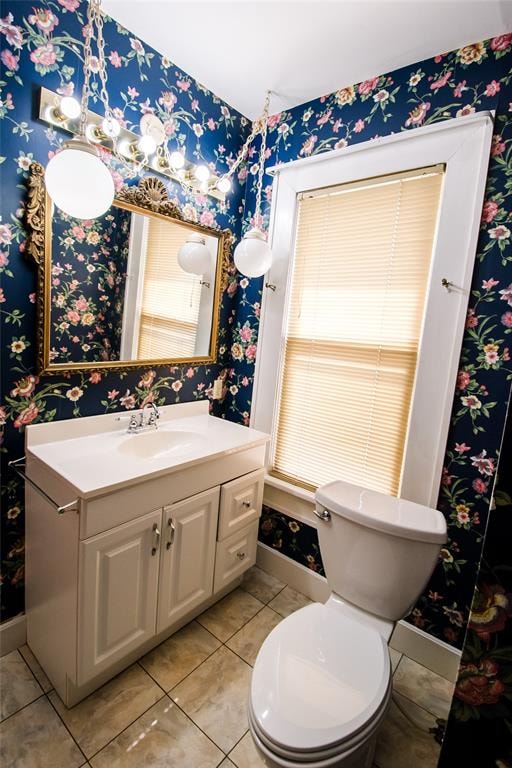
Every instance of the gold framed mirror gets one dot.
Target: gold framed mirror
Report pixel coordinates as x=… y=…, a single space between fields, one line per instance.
x=111 y=293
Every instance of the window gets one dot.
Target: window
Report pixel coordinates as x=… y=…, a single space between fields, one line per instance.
x=359 y=279
x=360 y=339
x=171 y=297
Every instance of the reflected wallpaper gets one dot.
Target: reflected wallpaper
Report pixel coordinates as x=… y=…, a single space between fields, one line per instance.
x=89 y=260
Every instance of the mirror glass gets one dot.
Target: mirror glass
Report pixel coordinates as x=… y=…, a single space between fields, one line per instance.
x=118 y=293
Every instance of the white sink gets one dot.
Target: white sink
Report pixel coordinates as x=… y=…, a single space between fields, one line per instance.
x=152 y=445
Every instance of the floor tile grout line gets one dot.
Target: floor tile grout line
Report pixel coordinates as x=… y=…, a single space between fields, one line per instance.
x=189 y=717
x=420 y=706
x=66 y=727
x=236 y=745
x=30 y=669
x=8 y=717
x=168 y=693
x=127 y=726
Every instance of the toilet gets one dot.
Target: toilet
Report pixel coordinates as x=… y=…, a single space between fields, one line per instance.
x=321 y=683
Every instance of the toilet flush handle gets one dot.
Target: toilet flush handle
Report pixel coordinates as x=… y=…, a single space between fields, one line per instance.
x=323 y=514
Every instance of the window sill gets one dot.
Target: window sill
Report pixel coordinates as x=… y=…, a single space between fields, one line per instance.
x=293 y=490
x=290 y=499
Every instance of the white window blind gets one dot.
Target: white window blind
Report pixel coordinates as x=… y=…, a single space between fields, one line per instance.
x=170 y=297
x=360 y=275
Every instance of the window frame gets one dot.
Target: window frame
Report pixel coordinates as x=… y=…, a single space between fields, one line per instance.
x=463 y=146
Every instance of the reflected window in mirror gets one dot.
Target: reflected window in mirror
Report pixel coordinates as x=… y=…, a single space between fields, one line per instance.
x=167 y=311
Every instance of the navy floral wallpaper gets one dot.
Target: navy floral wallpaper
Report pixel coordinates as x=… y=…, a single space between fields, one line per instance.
x=479 y=730
x=89 y=260
x=42 y=44
x=476 y=77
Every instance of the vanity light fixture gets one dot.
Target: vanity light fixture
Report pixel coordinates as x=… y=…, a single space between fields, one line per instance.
x=79 y=159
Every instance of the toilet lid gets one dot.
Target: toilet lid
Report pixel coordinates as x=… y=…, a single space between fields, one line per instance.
x=320 y=676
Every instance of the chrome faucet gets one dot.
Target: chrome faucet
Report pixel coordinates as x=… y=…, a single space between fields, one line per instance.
x=138 y=422
x=153 y=416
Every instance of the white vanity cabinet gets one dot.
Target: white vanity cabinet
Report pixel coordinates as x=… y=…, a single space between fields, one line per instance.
x=135 y=561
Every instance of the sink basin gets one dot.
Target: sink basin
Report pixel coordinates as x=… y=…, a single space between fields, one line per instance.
x=152 y=445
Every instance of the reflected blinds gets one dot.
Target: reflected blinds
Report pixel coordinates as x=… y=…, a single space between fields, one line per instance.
x=170 y=298
x=360 y=276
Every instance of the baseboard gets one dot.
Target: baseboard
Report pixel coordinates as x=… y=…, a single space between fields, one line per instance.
x=13 y=634
x=416 y=644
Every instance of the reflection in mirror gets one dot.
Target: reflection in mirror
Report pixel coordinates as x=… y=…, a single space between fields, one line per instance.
x=119 y=294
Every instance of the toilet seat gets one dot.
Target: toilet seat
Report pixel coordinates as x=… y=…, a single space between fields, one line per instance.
x=320 y=686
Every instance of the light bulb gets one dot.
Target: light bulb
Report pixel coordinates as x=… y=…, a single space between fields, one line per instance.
x=125 y=149
x=194 y=256
x=69 y=107
x=93 y=134
x=110 y=127
x=202 y=173
x=177 y=160
x=223 y=184
x=147 y=144
x=78 y=182
x=253 y=256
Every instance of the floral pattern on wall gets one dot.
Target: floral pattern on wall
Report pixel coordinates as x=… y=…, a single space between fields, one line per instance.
x=89 y=260
x=294 y=538
x=479 y=728
x=42 y=45
x=452 y=85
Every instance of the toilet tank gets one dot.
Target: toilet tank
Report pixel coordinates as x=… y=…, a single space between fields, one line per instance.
x=378 y=551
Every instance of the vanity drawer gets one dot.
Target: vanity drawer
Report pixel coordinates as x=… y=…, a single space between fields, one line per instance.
x=240 y=503
x=235 y=555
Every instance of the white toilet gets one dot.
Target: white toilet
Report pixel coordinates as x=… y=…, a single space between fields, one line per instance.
x=321 y=683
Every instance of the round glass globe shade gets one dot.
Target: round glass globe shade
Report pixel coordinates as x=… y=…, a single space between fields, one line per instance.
x=253 y=256
x=194 y=256
x=79 y=183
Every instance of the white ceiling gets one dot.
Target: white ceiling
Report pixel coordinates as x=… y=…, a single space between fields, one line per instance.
x=302 y=49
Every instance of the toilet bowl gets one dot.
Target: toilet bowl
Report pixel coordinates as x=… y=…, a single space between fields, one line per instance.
x=321 y=683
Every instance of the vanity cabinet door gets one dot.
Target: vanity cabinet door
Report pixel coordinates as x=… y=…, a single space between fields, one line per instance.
x=118 y=586
x=188 y=556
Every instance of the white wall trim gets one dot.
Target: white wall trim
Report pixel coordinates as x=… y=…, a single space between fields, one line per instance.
x=13 y=634
x=428 y=651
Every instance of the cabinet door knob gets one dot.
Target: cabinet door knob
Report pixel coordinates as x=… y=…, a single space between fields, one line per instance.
x=247 y=504
x=156 y=531
x=240 y=555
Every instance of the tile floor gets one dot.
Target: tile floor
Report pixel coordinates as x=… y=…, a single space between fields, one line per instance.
x=184 y=703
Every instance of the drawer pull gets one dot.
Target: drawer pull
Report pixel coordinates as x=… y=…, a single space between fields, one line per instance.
x=240 y=555
x=247 y=504
x=154 y=549
x=172 y=532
